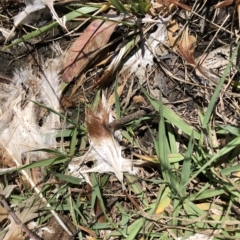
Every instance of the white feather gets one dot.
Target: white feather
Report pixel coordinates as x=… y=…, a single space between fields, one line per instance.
x=20 y=131
x=104 y=147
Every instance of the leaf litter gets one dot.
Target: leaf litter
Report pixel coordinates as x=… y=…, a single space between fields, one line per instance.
x=171 y=57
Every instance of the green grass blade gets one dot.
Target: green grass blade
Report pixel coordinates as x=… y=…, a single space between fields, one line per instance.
x=67 y=17
x=67 y=178
x=186 y=169
x=172 y=117
x=73 y=142
x=134 y=229
x=96 y=193
x=229 y=147
x=117 y=102
x=218 y=89
x=54 y=111
x=162 y=146
x=118 y=5
x=137 y=188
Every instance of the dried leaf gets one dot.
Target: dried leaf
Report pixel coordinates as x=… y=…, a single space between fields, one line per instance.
x=186 y=47
x=139 y=99
x=3 y=213
x=111 y=99
x=162 y=8
x=7 y=190
x=79 y=54
x=164 y=202
x=172 y=28
x=182 y=5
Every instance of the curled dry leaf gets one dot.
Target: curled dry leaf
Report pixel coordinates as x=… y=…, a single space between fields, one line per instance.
x=204 y=69
x=209 y=66
x=3 y=213
x=186 y=47
x=140 y=100
x=162 y=8
x=165 y=7
x=172 y=28
x=82 y=50
x=181 y=5
x=104 y=146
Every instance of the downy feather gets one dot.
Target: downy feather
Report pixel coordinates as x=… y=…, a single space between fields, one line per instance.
x=104 y=146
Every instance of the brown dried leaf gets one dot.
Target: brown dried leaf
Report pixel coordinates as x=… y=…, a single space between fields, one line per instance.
x=139 y=99
x=3 y=213
x=162 y=7
x=172 y=36
x=165 y=3
x=111 y=99
x=186 y=47
x=78 y=56
x=181 y=5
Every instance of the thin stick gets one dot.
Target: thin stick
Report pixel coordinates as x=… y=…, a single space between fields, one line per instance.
x=118 y=123
x=215 y=35
x=32 y=235
x=36 y=189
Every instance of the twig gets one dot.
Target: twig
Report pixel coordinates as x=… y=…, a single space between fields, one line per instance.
x=32 y=235
x=214 y=24
x=118 y=123
x=215 y=35
x=37 y=190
